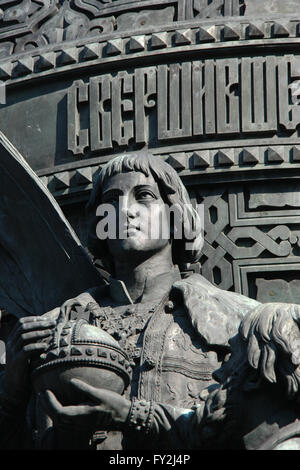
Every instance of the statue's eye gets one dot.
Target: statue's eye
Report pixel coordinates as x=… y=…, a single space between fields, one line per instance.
x=145 y=195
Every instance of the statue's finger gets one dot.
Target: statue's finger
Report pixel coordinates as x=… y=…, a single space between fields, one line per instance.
x=18 y=328
x=27 y=327
x=92 y=392
x=28 y=350
x=50 y=403
x=40 y=324
x=37 y=335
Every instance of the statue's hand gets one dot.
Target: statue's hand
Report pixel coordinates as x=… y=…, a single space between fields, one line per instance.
x=104 y=410
x=25 y=342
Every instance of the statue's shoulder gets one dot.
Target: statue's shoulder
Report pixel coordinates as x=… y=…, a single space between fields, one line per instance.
x=215 y=313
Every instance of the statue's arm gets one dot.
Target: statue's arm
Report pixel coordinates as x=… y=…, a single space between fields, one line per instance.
x=176 y=427
x=24 y=342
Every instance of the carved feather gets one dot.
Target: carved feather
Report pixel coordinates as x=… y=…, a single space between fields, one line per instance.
x=42 y=262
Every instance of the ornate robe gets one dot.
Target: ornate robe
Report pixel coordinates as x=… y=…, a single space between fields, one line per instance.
x=175 y=344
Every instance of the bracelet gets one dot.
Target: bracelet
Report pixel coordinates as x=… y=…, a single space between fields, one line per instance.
x=150 y=418
x=140 y=415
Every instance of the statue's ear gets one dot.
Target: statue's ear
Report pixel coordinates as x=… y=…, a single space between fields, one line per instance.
x=252 y=381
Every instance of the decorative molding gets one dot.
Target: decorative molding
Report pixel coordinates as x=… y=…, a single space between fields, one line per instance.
x=85 y=50
x=197 y=163
x=27 y=24
x=275 y=268
x=265 y=244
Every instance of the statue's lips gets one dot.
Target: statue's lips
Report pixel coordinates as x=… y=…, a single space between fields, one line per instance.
x=130 y=229
x=133 y=229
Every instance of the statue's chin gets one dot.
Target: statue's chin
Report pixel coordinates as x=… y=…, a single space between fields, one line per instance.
x=135 y=245
x=58 y=380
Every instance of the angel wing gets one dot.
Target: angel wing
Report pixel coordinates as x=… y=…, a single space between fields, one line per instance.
x=42 y=262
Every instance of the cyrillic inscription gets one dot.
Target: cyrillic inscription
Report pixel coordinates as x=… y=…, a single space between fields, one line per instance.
x=259 y=97
x=181 y=100
x=174 y=100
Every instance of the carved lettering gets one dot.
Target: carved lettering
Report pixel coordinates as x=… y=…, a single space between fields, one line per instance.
x=227 y=96
x=181 y=100
x=258 y=94
x=78 y=138
x=145 y=91
x=174 y=101
x=100 y=118
x=204 y=98
x=122 y=130
x=198 y=98
x=289 y=91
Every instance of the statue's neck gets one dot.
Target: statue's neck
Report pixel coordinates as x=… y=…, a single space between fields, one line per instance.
x=148 y=280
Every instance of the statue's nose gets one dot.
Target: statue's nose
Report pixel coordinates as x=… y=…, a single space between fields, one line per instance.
x=128 y=207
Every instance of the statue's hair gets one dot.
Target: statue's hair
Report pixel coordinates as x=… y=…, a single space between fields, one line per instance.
x=172 y=191
x=271 y=332
x=266 y=350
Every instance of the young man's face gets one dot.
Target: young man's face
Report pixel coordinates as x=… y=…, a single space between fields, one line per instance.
x=141 y=214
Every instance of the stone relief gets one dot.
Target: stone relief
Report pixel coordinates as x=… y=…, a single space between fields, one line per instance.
x=145 y=18
x=187 y=99
x=123 y=76
x=29 y=24
x=205 y=9
x=168 y=362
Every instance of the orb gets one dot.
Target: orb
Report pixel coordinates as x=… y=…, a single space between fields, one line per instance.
x=83 y=351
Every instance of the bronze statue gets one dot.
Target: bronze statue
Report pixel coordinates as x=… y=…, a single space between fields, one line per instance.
x=176 y=332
